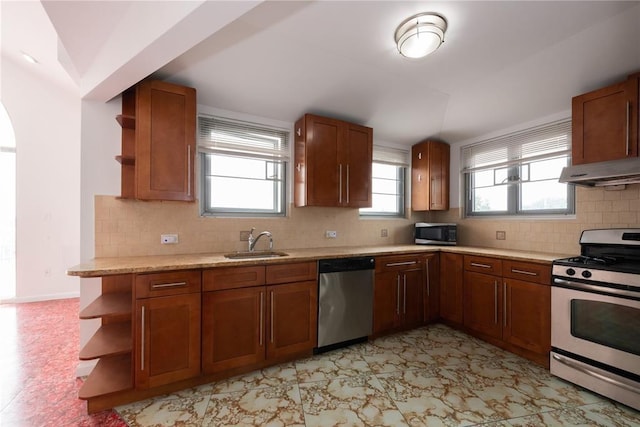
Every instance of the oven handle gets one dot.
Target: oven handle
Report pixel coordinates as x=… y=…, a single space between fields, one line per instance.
x=594 y=288
x=581 y=368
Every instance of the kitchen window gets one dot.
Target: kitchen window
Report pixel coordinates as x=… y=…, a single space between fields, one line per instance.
x=243 y=168
x=388 y=183
x=517 y=174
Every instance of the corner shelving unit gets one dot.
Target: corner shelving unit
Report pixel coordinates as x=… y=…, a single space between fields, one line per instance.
x=127 y=159
x=112 y=343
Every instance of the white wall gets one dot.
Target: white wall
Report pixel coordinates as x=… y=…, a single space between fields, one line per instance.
x=46 y=120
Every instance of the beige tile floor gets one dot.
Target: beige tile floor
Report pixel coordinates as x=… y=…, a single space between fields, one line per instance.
x=432 y=376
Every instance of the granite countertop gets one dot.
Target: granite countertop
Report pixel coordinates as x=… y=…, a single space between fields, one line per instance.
x=98 y=267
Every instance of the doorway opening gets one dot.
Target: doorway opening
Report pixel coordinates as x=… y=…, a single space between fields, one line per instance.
x=7 y=207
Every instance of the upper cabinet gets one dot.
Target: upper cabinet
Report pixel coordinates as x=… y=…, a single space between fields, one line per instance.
x=333 y=161
x=158 y=141
x=430 y=176
x=605 y=123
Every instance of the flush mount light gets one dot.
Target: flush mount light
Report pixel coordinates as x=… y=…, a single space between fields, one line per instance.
x=29 y=58
x=420 y=35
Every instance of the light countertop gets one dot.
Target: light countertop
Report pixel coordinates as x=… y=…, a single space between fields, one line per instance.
x=98 y=267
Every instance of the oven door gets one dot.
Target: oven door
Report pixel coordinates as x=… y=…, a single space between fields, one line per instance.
x=603 y=328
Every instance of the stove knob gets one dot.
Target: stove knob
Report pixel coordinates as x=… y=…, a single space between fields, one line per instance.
x=586 y=274
x=571 y=271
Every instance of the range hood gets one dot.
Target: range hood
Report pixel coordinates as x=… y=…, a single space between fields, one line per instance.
x=602 y=174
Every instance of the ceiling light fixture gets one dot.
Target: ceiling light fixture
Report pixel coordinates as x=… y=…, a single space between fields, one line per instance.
x=420 y=35
x=29 y=58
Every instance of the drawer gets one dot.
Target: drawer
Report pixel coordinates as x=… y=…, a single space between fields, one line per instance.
x=216 y=279
x=527 y=271
x=481 y=264
x=168 y=283
x=399 y=263
x=296 y=272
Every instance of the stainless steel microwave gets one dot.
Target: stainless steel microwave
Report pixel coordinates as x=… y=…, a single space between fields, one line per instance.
x=436 y=233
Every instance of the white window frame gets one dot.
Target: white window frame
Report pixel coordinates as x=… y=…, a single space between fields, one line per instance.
x=514 y=153
x=400 y=159
x=219 y=136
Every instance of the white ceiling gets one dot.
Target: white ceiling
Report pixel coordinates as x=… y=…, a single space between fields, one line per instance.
x=502 y=63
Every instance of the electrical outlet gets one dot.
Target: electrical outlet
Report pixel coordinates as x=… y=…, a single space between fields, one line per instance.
x=501 y=235
x=168 y=239
x=244 y=236
x=330 y=234
x=384 y=233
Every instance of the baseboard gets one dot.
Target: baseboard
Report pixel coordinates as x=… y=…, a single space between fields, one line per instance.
x=40 y=298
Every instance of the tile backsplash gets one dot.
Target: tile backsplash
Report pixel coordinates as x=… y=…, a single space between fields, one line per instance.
x=131 y=228
x=595 y=208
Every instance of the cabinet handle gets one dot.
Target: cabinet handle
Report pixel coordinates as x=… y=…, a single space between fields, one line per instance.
x=298 y=167
x=419 y=178
x=528 y=273
x=420 y=156
x=495 y=302
x=347 y=183
x=398 y=295
x=188 y=170
x=169 y=285
x=272 y=309
x=340 y=182
x=395 y=264
x=504 y=303
x=404 y=295
x=475 y=264
x=298 y=132
x=261 y=317
x=142 y=340
x=428 y=278
x=628 y=133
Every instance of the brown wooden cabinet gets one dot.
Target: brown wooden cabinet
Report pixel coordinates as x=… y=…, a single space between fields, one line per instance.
x=167 y=327
x=451 y=280
x=430 y=176
x=499 y=304
x=431 y=273
x=398 y=301
x=158 y=141
x=254 y=316
x=605 y=123
x=333 y=161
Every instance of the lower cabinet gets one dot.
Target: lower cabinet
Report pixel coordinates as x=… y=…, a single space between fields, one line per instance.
x=247 y=326
x=451 y=279
x=398 y=301
x=431 y=273
x=527 y=315
x=167 y=328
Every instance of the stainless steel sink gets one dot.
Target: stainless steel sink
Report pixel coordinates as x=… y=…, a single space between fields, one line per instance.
x=255 y=254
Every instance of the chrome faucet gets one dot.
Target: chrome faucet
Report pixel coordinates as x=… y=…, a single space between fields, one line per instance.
x=254 y=240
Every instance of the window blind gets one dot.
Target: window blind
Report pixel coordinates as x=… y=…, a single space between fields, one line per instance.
x=390 y=156
x=547 y=141
x=226 y=136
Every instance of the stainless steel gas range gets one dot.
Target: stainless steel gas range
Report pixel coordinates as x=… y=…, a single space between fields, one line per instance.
x=595 y=315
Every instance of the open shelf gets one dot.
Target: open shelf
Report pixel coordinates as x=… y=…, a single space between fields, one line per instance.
x=111 y=374
x=110 y=340
x=126 y=121
x=111 y=304
x=127 y=161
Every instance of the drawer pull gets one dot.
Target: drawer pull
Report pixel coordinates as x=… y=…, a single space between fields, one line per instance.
x=396 y=264
x=169 y=285
x=475 y=264
x=528 y=273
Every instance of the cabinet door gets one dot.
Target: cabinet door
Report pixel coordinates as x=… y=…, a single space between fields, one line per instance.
x=324 y=135
x=167 y=339
x=605 y=123
x=432 y=287
x=292 y=318
x=233 y=328
x=438 y=176
x=386 y=301
x=165 y=138
x=412 y=298
x=451 y=287
x=420 y=177
x=358 y=164
x=482 y=303
x=527 y=315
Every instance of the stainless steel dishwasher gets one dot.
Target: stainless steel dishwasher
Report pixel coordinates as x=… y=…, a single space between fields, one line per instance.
x=345 y=301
